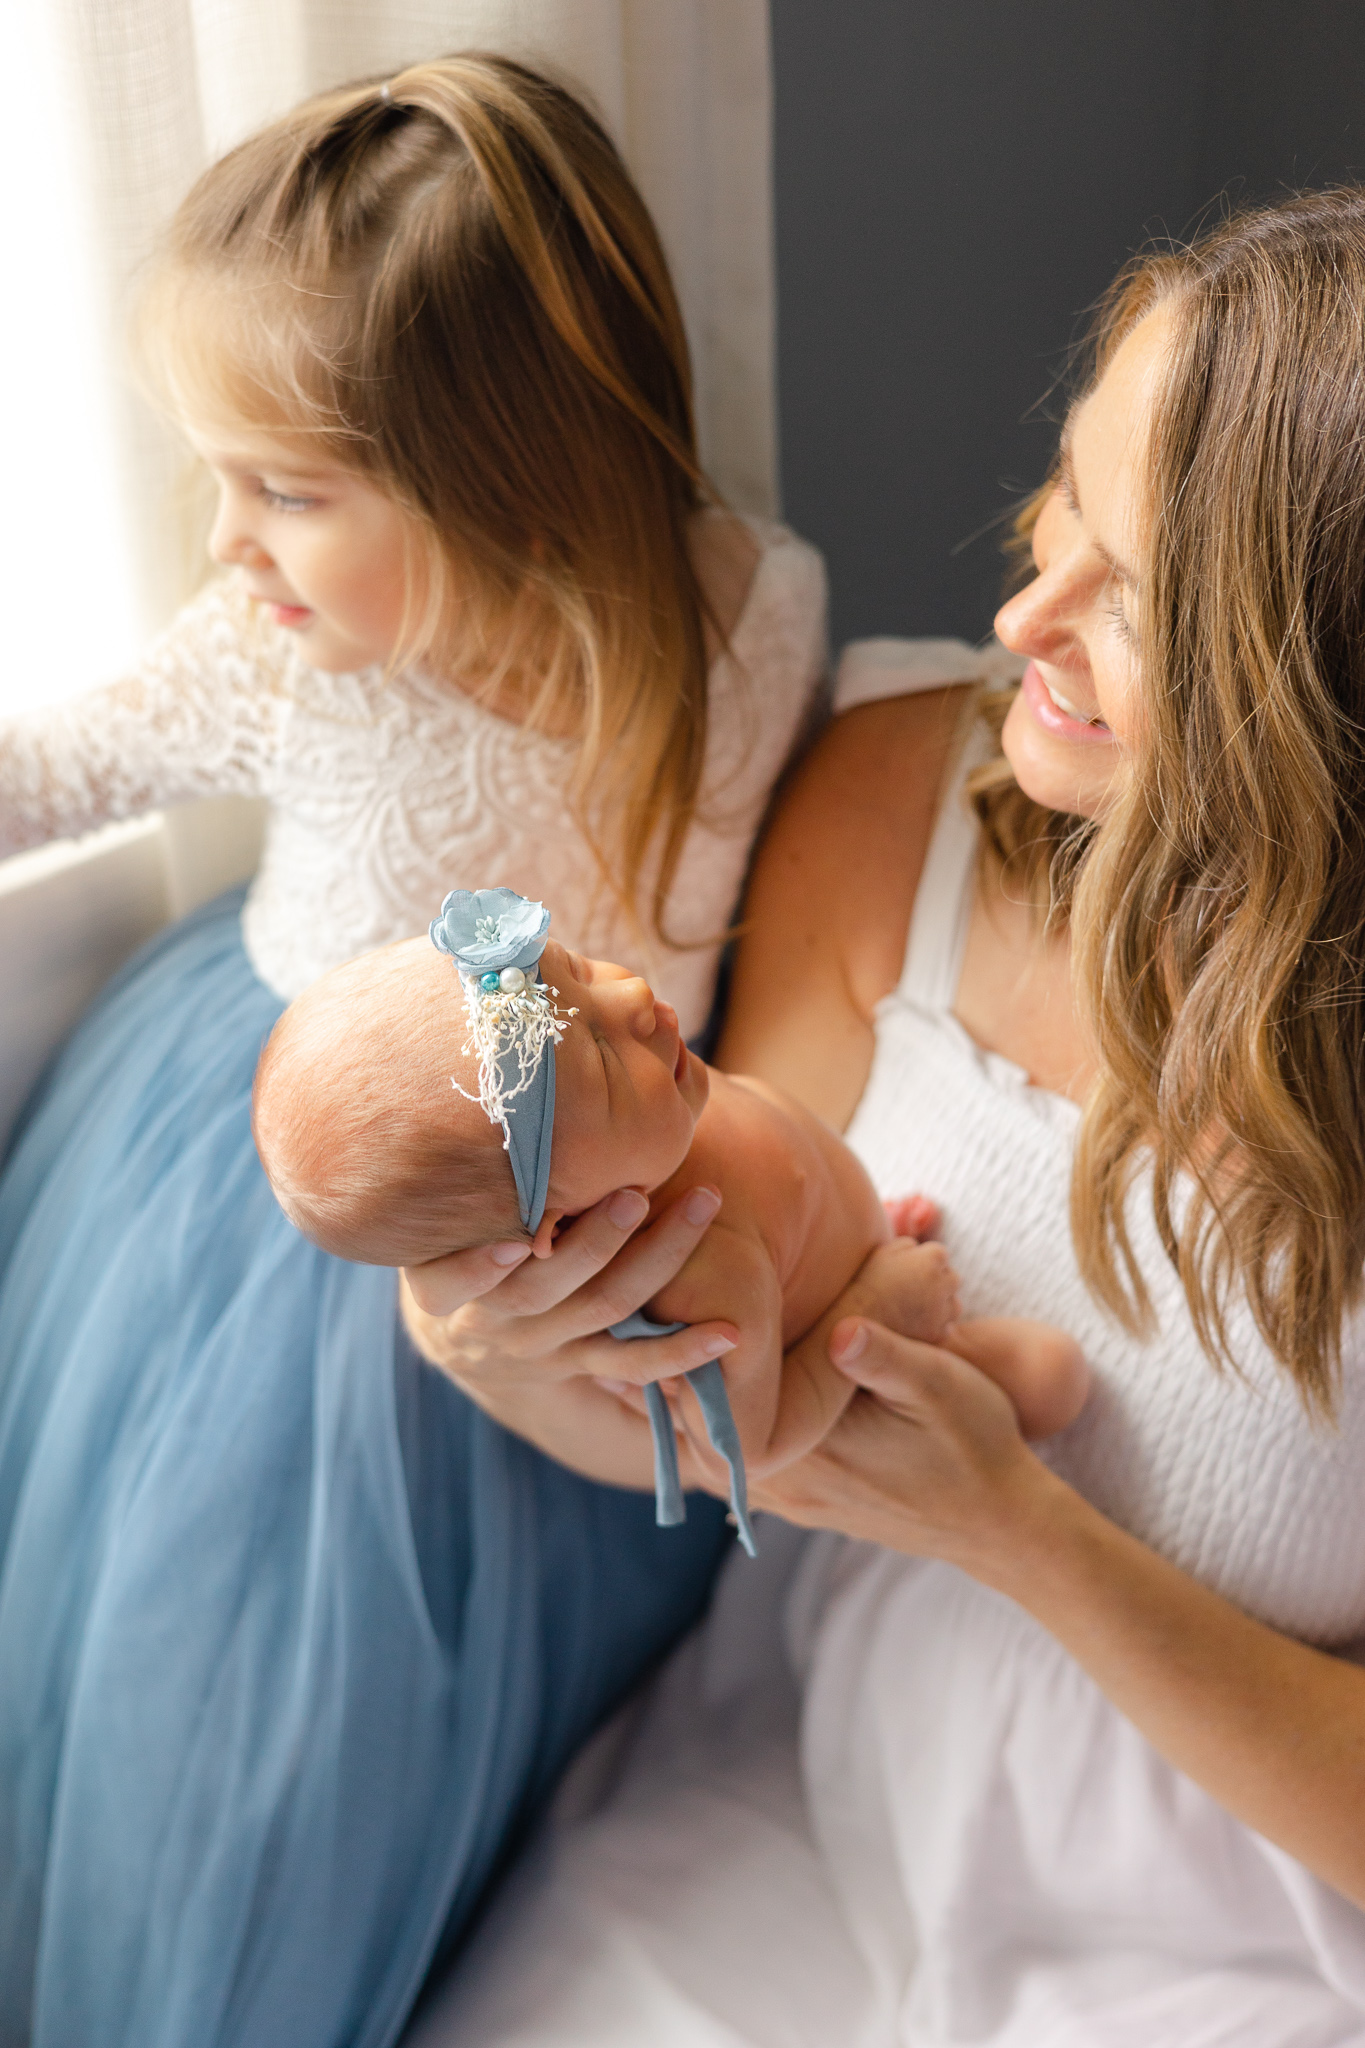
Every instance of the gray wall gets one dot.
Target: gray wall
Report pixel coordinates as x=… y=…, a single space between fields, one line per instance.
x=956 y=183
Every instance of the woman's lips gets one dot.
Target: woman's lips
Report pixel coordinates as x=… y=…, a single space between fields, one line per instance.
x=1052 y=718
x=294 y=615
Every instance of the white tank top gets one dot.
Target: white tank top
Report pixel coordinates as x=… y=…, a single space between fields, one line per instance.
x=1019 y=1868
x=1225 y=1475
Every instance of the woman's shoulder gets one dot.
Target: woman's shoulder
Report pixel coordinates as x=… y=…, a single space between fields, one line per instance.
x=870 y=671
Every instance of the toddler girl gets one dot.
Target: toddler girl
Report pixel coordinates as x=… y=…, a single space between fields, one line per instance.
x=292 y=1639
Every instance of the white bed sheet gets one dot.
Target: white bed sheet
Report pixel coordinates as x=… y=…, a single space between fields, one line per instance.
x=675 y=1897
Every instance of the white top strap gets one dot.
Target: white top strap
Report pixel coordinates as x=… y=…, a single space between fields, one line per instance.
x=943 y=901
x=873 y=669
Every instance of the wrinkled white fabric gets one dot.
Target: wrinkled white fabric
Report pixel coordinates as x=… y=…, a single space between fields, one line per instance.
x=385 y=794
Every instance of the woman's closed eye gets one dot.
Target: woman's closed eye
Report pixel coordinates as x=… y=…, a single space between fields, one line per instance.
x=1122 y=624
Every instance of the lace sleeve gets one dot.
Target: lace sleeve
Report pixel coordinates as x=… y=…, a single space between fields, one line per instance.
x=197 y=718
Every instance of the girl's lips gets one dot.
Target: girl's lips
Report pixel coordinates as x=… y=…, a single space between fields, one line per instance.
x=291 y=614
x=1053 y=719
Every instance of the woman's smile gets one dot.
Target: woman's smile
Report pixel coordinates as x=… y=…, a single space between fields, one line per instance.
x=1057 y=714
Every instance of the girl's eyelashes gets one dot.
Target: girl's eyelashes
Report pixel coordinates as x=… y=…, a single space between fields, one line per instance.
x=280 y=501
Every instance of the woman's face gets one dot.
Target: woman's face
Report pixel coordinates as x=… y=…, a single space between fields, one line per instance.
x=1076 y=622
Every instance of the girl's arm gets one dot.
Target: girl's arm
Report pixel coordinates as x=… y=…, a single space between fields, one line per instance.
x=928 y=1460
x=197 y=718
x=828 y=906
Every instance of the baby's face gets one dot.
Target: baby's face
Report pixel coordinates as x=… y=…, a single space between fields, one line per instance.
x=627 y=1090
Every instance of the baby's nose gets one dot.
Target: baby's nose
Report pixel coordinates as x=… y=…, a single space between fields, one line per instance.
x=644 y=1011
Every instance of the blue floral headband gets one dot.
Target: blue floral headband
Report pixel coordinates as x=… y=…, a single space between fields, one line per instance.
x=496 y=938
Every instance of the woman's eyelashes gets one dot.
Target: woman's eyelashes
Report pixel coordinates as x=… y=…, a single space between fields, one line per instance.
x=1119 y=616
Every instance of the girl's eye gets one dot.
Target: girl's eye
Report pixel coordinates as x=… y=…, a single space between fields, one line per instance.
x=278 y=501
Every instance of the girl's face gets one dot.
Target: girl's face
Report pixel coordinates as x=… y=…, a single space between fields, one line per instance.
x=1077 y=709
x=320 y=548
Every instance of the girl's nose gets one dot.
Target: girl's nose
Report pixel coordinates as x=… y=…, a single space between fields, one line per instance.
x=231 y=540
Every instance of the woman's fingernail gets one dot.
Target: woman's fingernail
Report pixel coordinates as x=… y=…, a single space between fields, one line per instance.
x=852 y=1347
x=627 y=1207
x=701 y=1205
x=716 y=1347
x=508 y=1254
x=614 y=1386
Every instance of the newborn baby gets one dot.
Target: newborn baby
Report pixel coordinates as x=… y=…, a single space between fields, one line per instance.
x=395 y=1129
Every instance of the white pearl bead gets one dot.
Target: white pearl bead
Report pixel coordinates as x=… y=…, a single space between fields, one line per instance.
x=511 y=981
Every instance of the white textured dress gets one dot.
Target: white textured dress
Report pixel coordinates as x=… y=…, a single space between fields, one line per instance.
x=965 y=1843
x=385 y=793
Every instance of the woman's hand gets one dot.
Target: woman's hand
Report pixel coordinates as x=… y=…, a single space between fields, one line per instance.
x=926 y=1457
x=499 y=1317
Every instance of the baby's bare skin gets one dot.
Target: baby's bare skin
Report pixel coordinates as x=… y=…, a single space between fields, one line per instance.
x=798 y=1220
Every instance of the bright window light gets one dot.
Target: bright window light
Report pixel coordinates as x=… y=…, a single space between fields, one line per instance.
x=71 y=613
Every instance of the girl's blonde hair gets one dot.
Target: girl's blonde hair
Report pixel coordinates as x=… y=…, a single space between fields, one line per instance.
x=448 y=282
x=1218 y=909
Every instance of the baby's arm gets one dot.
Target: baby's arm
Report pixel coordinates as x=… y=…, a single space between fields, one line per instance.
x=798 y=1219
x=195 y=719
x=801 y=1216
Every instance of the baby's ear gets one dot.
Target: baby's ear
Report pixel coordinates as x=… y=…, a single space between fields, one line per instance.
x=542 y=1244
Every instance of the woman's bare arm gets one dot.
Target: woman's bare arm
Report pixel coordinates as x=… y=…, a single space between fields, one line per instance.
x=828 y=906
x=928 y=1460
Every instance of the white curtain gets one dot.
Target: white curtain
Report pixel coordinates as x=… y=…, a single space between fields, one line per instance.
x=165 y=85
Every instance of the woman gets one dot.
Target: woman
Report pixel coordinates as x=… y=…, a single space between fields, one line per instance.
x=1126 y=1801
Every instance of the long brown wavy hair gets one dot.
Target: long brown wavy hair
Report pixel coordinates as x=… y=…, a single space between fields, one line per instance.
x=1217 y=910
x=448 y=282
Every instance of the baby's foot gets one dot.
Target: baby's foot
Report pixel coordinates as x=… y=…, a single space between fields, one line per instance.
x=916 y=1290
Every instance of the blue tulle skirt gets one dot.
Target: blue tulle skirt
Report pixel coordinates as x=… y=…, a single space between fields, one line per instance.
x=293 y=1640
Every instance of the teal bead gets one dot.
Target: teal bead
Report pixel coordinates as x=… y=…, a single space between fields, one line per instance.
x=489 y=984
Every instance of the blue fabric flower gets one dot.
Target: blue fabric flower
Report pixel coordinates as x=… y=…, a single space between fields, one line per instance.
x=485 y=929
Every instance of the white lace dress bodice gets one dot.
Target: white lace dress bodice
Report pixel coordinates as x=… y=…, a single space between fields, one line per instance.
x=385 y=793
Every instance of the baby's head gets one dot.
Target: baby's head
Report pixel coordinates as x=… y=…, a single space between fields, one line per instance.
x=377 y=1157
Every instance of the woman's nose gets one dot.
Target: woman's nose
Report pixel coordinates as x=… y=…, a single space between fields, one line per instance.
x=1040 y=621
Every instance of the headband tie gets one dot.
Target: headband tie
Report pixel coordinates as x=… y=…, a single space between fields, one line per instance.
x=496 y=938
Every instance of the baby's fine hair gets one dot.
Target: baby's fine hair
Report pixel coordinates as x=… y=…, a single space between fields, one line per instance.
x=371 y=1152
x=448 y=282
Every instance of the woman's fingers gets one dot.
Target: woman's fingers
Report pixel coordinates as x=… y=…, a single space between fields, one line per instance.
x=580 y=1251
x=442 y=1285
x=641 y=1360
x=916 y=1380
x=633 y=1274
